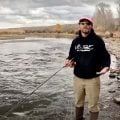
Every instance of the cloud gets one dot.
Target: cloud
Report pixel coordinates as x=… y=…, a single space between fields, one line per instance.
x=5 y=10
x=43 y=12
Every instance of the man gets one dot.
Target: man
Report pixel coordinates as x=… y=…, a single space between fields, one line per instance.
x=90 y=59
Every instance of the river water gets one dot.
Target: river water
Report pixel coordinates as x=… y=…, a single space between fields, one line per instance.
x=24 y=65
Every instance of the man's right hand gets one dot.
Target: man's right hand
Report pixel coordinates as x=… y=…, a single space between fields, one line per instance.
x=69 y=63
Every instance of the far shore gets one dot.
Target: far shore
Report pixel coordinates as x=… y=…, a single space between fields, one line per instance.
x=42 y=35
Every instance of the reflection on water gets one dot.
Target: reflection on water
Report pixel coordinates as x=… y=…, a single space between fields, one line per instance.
x=23 y=66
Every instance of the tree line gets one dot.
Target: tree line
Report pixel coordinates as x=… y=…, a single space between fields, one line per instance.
x=104 y=18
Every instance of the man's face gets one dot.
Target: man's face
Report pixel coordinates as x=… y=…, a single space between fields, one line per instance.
x=85 y=26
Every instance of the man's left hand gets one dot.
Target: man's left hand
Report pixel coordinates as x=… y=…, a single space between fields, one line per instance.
x=103 y=71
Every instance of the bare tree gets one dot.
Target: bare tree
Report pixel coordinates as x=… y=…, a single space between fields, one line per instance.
x=118 y=10
x=103 y=16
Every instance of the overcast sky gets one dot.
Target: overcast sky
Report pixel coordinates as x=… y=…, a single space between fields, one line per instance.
x=21 y=13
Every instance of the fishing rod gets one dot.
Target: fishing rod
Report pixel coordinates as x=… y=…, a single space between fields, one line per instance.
x=22 y=100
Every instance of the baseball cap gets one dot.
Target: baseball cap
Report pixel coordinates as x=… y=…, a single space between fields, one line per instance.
x=86 y=18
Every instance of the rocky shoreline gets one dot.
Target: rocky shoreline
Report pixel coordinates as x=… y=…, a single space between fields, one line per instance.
x=113 y=46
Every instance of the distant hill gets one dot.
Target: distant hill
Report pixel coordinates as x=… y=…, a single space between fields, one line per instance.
x=58 y=28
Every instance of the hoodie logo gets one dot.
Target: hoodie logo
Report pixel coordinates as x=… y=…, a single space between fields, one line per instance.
x=84 y=48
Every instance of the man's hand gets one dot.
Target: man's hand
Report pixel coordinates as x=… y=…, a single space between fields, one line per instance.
x=103 y=71
x=69 y=63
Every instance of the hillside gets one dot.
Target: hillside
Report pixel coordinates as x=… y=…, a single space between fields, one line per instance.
x=42 y=31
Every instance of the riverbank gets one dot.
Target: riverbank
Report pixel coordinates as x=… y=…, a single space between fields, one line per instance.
x=41 y=35
x=113 y=46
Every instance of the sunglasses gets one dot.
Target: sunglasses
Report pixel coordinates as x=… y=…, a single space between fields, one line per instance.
x=85 y=23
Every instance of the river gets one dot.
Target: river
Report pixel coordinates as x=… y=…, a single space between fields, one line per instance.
x=24 y=65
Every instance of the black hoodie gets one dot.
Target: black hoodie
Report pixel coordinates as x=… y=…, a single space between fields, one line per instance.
x=90 y=55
